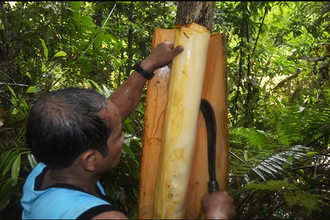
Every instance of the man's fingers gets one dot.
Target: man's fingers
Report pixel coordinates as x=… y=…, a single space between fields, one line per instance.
x=169 y=44
x=177 y=50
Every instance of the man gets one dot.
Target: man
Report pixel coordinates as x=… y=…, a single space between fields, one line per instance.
x=76 y=135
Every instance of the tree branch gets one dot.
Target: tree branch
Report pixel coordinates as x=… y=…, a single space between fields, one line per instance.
x=14 y=84
x=262 y=22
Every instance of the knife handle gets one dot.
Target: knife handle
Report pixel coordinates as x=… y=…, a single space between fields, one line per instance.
x=213 y=186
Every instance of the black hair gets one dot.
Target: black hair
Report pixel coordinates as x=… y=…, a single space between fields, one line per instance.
x=65 y=123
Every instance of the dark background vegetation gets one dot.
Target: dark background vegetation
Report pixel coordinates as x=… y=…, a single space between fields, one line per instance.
x=278 y=93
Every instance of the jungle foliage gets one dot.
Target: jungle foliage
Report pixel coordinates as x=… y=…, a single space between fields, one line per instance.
x=278 y=93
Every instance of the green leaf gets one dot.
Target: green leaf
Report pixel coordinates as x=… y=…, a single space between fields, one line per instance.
x=15 y=111
x=98 y=88
x=106 y=91
x=246 y=158
x=272 y=185
x=290 y=199
x=32 y=160
x=29 y=75
x=128 y=126
x=5 y=157
x=259 y=173
x=99 y=39
x=23 y=103
x=6 y=193
x=30 y=89
x=14 y=100
x=8 y=160
x=12 y=91
x=87 y=21
x=123 y=61
x=16 y=168
x=312 y=153
x=76 y=5
x=265 y=169
x=136 y=193
x=128 y=150
x=43 y=67
x=307 y=199
x=255 y=186
x=123 y=2
x=45 y=47
x=60 y=54
x=131 y=23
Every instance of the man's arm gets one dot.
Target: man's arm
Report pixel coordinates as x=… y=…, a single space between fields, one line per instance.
x=111 y=215
x=128 y=95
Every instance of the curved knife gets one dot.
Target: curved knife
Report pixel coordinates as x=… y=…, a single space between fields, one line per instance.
x=211 y=129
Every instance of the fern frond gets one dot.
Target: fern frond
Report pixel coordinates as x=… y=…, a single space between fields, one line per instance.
x=265 y=165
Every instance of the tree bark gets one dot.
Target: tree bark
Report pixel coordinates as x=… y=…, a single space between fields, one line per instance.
x=196 y=11
x=166 y=196
x=181 y=118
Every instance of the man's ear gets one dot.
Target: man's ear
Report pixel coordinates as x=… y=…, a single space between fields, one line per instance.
x=89 y=160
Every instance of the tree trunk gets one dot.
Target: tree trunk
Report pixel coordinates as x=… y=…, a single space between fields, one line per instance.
x=194 y=22
x=197 y=12
x=181 y=118
x=166 y=197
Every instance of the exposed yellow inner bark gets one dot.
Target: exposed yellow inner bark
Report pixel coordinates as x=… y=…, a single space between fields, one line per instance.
x=178 y=141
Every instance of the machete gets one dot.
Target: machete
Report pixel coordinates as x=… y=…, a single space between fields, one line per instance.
x=211 y=129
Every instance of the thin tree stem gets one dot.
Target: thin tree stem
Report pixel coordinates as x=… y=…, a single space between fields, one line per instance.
x=262 y=22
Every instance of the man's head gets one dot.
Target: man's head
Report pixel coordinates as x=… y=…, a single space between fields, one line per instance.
x=65 y=123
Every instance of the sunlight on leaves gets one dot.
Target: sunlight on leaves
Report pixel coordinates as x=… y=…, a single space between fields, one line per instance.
x=60 y=54
x=45 y=48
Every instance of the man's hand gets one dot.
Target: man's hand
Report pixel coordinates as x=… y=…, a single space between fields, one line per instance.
x=128 y=95
x=160 y=56
x=218 y=205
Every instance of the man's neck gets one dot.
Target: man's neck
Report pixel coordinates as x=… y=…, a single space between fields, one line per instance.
x=73 y=176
